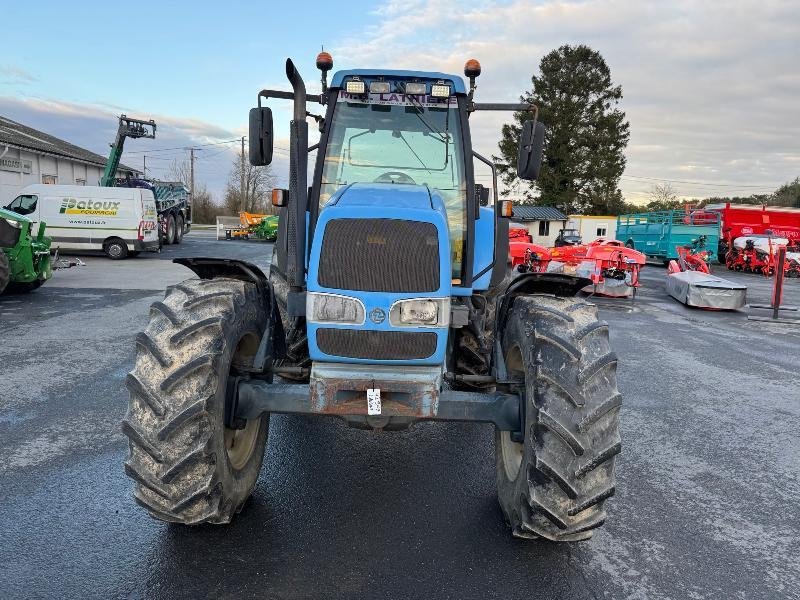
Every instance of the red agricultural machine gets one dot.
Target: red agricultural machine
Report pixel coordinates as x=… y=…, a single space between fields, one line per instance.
x=525 y=256
x=612 y=268
x=758 y=254
x=692 y=257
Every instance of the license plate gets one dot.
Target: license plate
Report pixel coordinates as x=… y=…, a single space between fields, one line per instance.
x=373 y=401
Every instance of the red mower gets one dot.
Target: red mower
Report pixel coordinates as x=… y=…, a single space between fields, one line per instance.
x=692 y=257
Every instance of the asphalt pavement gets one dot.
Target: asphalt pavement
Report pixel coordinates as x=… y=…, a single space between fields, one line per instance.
x=707 y=491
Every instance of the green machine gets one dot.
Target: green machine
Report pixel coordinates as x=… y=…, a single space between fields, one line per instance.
x=24 y=259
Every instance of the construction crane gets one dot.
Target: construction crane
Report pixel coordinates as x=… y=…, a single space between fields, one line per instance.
x=128 y=128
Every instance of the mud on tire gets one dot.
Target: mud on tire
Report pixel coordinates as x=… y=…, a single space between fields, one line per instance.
x=554 y=485
x=188 y=467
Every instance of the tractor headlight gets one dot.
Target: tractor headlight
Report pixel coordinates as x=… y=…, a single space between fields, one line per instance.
x=439 y=90
x=331 y=308
x=420 y=312
x=416 y=89
x=14 y=224
x=355 y=87
x=379 y=87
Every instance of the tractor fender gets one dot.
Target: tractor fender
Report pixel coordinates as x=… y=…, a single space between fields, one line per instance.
x=273 y=342
x=557 y=284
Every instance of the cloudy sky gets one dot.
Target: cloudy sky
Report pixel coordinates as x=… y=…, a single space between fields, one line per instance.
x=711 y=89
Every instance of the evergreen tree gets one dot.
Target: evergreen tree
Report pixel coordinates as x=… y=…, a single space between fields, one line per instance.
x=586 y=135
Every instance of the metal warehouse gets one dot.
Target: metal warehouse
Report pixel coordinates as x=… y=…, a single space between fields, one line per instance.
x=30 y=156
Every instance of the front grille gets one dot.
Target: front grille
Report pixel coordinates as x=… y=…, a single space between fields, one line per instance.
x=380 y=255
x=376 y=345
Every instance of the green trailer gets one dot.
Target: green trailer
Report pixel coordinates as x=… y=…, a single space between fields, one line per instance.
x=24 y=259
x=657 y=234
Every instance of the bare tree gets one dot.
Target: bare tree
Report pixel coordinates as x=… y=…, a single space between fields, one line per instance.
x=179 y=170
x=664 y=197
x=663 y=192
x=258 y=184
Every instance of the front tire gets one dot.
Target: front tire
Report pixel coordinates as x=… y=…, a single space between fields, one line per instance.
x=116 y=249
x=188 y=467
x=553 y=485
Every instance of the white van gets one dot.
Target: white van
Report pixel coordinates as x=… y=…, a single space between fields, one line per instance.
x=118 y=221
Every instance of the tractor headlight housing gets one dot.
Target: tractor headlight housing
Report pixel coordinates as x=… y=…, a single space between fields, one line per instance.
x=332 y=308
x=440 y=90
x=355 y=87
x=416 y=89
x=420 y=312
x=14 y=224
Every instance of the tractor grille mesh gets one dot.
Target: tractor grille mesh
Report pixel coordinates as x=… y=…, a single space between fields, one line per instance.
x=376 y=345
x=380 y=255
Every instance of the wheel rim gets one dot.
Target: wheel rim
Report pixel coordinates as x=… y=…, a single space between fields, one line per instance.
x=512 y=452
x=241 y=443
x=115 y=250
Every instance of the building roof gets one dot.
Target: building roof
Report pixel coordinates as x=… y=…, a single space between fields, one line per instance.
x=537 y=213
x=28 y=138
x=604 y=217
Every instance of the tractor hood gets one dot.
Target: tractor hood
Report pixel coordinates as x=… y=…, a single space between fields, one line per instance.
x=395 y=195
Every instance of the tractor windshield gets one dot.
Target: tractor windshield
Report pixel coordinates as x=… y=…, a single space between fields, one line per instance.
x=403 y=140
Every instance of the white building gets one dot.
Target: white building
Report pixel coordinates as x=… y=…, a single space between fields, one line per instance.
x=30 y=156
x=592 y=227
x=542 y=222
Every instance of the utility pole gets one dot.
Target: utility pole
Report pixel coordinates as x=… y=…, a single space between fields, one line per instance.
x=144 y=166
x=191 y=173
x=241 y=193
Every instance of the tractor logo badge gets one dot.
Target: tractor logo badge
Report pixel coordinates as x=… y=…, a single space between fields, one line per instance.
x=377 y=315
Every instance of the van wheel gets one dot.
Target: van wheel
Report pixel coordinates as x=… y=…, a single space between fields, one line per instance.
x=115 y=249
x=170 y=230
x=178 y=229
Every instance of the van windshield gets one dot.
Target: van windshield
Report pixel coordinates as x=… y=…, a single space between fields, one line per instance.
x=23 y=205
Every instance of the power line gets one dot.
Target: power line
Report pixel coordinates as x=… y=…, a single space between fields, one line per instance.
x=701 y=183
x=182 y=147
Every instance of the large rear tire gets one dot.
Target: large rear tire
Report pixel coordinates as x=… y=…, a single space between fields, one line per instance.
x=5 y=271
x=170 y=237
x=553 y=485
x=179 y=228
x=188 y=467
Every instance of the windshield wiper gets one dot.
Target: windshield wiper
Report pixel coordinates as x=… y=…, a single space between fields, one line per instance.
x=443 y=135
x=400 y=135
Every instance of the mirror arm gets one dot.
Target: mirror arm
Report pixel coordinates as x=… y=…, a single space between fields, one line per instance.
x=314 y=147
x=281 y=95
x=505 y=106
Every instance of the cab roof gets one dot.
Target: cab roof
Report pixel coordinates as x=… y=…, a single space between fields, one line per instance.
x=458 y=83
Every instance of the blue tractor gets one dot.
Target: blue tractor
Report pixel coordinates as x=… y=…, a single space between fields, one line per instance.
x=389 y=301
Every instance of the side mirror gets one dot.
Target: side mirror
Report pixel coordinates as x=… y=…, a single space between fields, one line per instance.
x=260 y=136
x=482 y=194
x=531 y=145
